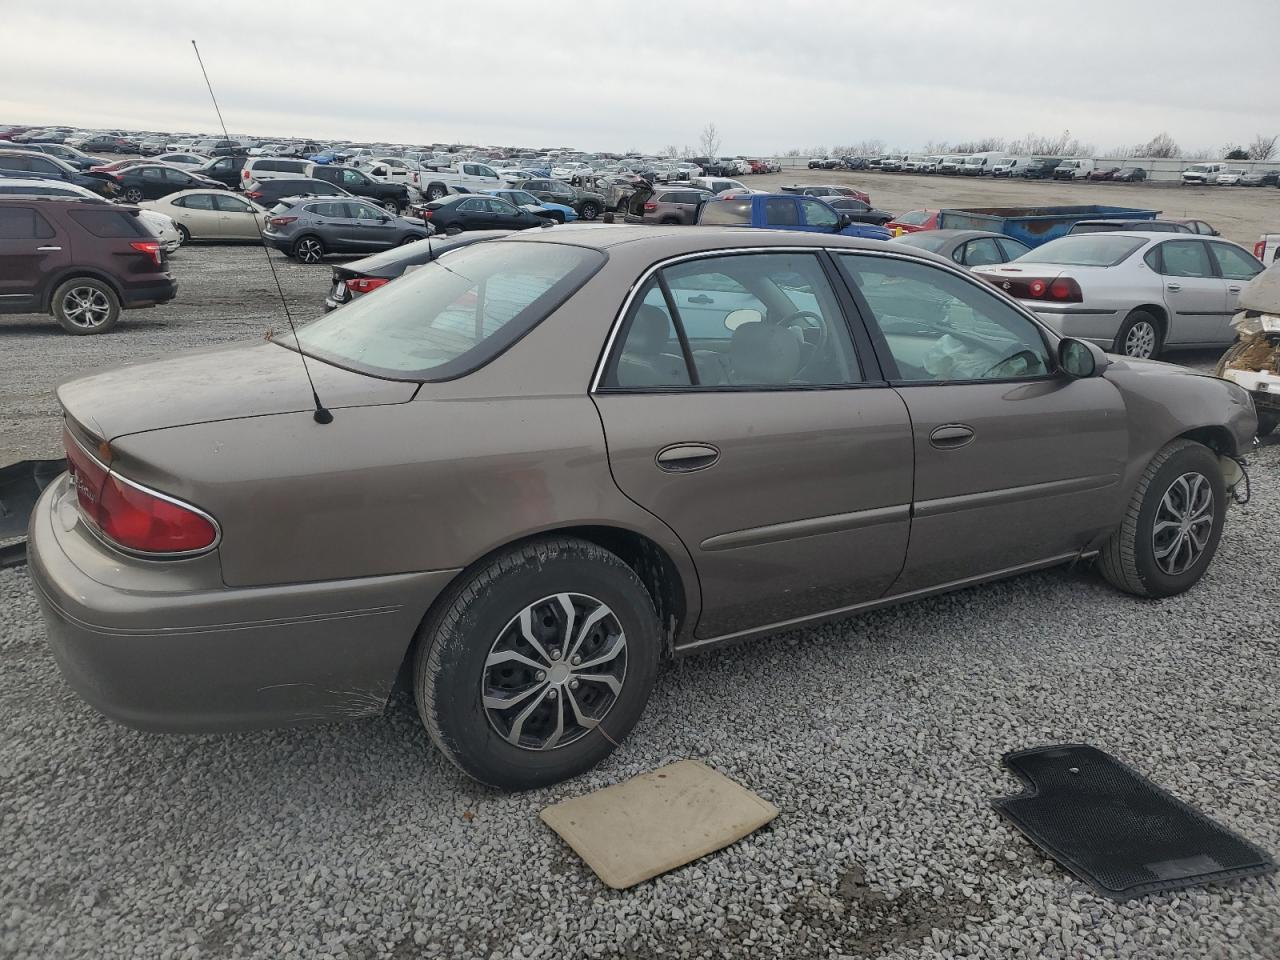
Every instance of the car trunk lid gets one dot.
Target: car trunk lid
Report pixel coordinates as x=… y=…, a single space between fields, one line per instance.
x=243 y=380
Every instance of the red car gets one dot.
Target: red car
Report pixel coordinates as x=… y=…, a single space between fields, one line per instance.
x=913 y=221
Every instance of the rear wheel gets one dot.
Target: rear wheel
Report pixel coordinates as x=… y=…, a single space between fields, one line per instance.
x=538 y=663
x=1139 y=336
x=83 y=306
x=1268 y=420
x=308 y=250
x=436 y=191
x=1171 y=528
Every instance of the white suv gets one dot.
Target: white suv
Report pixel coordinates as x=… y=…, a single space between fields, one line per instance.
x=258 y=169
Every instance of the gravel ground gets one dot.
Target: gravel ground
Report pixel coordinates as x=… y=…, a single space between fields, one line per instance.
x=878 y=738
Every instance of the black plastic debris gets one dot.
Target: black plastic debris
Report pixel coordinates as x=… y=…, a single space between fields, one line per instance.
x=1118 y=831
x=20 y=487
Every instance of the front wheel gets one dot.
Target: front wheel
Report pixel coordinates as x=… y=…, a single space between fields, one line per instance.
x=184 y=234
x=308 y=250
x=589 y=211
x=1171 y=528
x=132 y=195
x=538 y=663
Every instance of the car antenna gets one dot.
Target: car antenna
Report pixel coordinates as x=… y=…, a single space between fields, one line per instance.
x=322 y=413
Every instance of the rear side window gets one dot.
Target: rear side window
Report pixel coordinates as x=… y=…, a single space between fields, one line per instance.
x=441 y=322
x=109 y=223
x=781 y=212
x=726 y=212
x=23 y=223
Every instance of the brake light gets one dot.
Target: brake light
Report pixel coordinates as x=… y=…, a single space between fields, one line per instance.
x=149 y=247
x=1260 y=248
x=1066 y=290
x=253 y=194
x=650 y=206
x=366 y=284
x=281 y=221
x=130 y=515
x=427 y=213
x=1062 y=290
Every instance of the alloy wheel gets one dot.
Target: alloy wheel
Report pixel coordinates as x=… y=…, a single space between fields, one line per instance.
x=86 y=307
x=554 y=672
x=310 y=251
x=1183 y=524
x=133 y=195
x=1140 y=341
x=391 y=206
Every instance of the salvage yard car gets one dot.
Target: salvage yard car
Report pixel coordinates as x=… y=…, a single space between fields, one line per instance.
x=1133 y=292
x=310 y=229
x=550 y=461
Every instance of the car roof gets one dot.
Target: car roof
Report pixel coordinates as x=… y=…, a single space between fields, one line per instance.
x=675 y=239
x=961 y=235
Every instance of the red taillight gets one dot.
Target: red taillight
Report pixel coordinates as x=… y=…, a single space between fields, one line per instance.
x=149 y=247
x=1066 y=290
x=1063 y=289
x=281 y=221
x=427 y=214
x=650 y=206
x=366 y=284
x=253 y=194
x=1036 y=288
x=1260 y=248
x=132 y=516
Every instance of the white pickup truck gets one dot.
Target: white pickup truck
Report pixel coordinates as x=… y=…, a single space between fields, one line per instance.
x=1267 y=249
x=461 y=177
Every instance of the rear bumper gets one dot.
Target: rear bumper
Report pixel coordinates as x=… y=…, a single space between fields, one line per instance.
x=166 y=646
x=1095 y=325
x=148 y=295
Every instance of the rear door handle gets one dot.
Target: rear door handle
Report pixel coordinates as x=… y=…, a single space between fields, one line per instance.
x=1233 y=289
x=949 y=436
x=46 y=249
x=1173 y=287
x=687 y=457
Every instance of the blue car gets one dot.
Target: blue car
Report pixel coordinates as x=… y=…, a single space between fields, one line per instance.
x=527 y=201
x=784 y=211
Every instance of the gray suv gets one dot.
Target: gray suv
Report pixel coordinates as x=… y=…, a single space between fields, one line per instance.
x=309 y=229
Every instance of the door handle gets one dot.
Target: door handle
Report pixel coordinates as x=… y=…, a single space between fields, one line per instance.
x=949 y=436
x=687 y=457
x=46 y=249
x=1173 y=287
x=701 y=298
x=1233 y=289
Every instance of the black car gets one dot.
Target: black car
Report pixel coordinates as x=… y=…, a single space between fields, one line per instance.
x=355 y=279
x=269 y=192
x=1041 y=168
x=77 y=159
x=390 y=196
x=28 y=163
x=473 y=211
x=224 y=170
x=153 y=181
x=588 y=205
x=1130 y=175
x=859 y=212
x=109 y=145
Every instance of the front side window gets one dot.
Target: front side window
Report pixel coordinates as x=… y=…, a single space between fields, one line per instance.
x=819 y=214
x=440 y=322
x=941 y=328
x=1234 y=263
x=763 y=320
x=231 y=204
x=978 y=253
x=731 y=212
x=474 y=205
x=1185 y=258
x=365 y=212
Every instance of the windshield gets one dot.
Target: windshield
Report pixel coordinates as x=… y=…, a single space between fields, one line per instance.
x=443 y=321
x=1084 y=250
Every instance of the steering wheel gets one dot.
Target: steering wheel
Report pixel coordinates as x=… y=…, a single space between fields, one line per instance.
x=819 y=324
x=1030 y=355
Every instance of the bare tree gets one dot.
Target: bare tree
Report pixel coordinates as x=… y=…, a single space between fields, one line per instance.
x=1262 y=148
x=1161 y=146
x=1035 y=144
x=984 y=145
x=709 y=141
x=671 y=150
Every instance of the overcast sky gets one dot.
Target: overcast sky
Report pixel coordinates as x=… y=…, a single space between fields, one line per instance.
x=608 y=75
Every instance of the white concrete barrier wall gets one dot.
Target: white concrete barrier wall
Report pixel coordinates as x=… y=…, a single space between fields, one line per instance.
x=1158 y=170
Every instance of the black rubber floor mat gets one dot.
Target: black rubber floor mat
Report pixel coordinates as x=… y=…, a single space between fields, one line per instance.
x=1118 y=831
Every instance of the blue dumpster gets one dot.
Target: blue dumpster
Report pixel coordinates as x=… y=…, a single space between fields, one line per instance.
x=1035 y=225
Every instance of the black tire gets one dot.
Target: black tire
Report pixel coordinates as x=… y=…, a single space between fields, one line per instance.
x=557 y=216
x=85 y=306
x=1128 y=559
x=590 y=210
x=184 y=233
x=392 y=206
x=1268 y=420
x=1140 y=336
x=410 y=238
x=461 y=632
x=131 y=195
x=308 y=249
x=436 y=191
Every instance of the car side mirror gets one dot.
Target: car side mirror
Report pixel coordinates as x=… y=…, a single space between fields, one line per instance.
x=1080 y=359
x=846 y=219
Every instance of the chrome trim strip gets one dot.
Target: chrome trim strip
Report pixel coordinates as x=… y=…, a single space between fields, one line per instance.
x=991 y=498
x=142 y=554
x=812 y=527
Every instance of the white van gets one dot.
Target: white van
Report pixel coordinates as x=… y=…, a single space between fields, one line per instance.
x=1074 y=170
x=980 y=163
x=1010 y=167
x=1203 y=173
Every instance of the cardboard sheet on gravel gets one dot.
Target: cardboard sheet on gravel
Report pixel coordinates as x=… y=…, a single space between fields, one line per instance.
x=657 y=821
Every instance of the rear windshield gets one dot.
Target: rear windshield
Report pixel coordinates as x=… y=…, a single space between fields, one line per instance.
x=929 y=240
x=109 y=223
x=1087 y=250
x=726 y=211
x=449 y=318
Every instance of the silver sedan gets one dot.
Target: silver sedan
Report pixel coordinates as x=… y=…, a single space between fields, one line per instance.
x=1133 y=293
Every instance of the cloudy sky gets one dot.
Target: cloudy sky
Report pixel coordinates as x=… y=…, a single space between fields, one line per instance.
x=611 y=75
